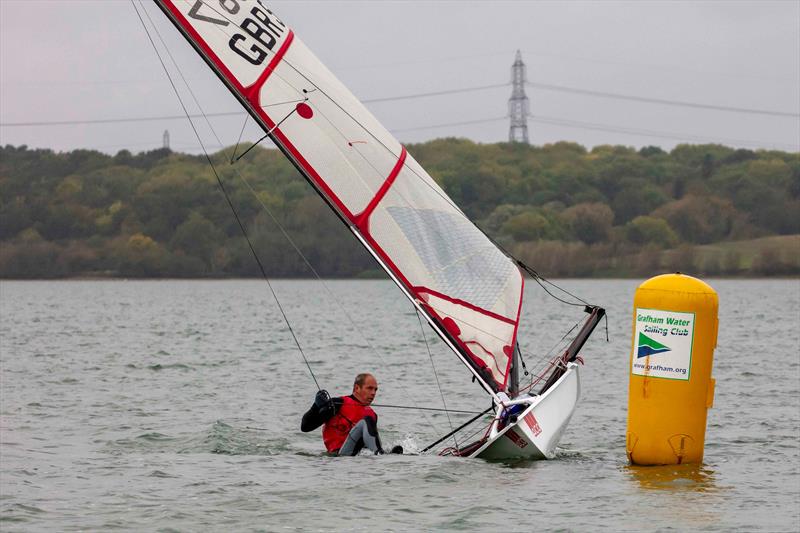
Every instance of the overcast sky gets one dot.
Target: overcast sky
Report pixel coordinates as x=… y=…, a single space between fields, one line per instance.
x=74 y=61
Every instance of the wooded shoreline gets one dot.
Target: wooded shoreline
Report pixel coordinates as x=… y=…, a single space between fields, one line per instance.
x=609 y=212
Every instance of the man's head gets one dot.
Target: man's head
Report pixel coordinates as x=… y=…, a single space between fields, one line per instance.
x=365 y=388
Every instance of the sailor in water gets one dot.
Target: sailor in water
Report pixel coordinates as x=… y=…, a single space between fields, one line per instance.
x=350 y=422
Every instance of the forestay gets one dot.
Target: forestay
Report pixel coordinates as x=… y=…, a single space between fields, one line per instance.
x=468 y=287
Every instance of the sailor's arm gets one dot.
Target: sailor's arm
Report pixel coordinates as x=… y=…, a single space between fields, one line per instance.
x=323 y=409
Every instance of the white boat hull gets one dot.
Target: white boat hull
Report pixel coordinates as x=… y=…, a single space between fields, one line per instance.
x=539 y=428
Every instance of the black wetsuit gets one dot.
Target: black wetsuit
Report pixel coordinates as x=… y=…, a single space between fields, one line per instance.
x=363 y=433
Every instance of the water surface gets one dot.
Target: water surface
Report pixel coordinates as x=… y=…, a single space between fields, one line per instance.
x=175 y=405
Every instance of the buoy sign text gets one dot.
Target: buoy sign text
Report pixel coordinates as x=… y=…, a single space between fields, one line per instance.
x=663 y=344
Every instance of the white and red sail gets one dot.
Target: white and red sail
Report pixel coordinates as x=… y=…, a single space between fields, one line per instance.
x=459 y=277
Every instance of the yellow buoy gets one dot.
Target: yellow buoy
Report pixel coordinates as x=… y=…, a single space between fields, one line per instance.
x=670 y=389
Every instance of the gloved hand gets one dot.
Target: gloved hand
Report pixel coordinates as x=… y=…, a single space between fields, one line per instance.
x=322 y=401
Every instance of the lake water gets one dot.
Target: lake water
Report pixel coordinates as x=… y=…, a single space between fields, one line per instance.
x=175 y=405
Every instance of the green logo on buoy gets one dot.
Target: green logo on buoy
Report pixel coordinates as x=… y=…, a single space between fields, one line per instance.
x=648 y=346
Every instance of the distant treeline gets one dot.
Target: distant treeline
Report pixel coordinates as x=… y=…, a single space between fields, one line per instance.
x=565 y=210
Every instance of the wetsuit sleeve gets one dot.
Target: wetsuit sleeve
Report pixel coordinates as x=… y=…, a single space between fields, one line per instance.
x=314 y=418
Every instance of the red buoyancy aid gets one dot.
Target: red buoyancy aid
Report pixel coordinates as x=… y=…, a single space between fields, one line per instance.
x=335 y=430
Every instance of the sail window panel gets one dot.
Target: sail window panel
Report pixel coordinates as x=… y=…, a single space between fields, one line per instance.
x=421 y=230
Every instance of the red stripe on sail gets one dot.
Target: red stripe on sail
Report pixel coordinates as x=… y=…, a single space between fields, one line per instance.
x=313 y=174
x=253 y=91
x=468 y=305
x=362 y=219
x=482 y=347
x=414 y=290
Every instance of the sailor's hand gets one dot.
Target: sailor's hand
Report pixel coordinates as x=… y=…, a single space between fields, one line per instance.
x=322 y=401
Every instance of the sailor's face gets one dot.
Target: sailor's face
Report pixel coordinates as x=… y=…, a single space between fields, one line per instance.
x=366 y=393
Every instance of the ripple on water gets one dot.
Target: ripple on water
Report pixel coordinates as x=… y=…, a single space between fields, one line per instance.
x=163 y=426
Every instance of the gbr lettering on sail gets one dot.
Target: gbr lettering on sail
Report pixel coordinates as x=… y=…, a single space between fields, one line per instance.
x=244 y=34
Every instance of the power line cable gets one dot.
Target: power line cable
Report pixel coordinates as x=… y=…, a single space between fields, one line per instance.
x=610 y=128
x=463 y=123
x=661 y=101
x=435 y=93
x=656 y=133
x=115 y=120
x=543 y=86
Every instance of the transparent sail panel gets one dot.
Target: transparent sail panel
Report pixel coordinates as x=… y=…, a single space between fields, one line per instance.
x=452 y=266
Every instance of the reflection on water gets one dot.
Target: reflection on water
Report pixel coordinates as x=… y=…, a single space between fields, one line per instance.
x=687 y=497
x=694 y=478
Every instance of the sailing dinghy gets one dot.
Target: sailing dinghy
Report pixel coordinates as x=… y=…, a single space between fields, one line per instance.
x=468 y=289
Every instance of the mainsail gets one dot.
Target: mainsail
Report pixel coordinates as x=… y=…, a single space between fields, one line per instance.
x=469 y=290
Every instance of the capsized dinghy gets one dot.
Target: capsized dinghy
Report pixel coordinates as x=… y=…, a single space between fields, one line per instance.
x=468 y=289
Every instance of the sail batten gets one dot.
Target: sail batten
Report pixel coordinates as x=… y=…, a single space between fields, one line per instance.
x=467 y=287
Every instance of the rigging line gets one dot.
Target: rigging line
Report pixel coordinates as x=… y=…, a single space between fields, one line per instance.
x=548 y=356
x=662 y=101
x=222 y=187
x=457 y=411
x=464 y=123
x=239 y=140
x=109 y=120
x=522 y=361
x=538 y=278
x=610 y=128
x=485 y=430
x=435 y=374
x=435 y=93
x=134 y=119
x=459 y=428
x=280 y=227
x=263 y=136
x=584 y=302
x=271 y=130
